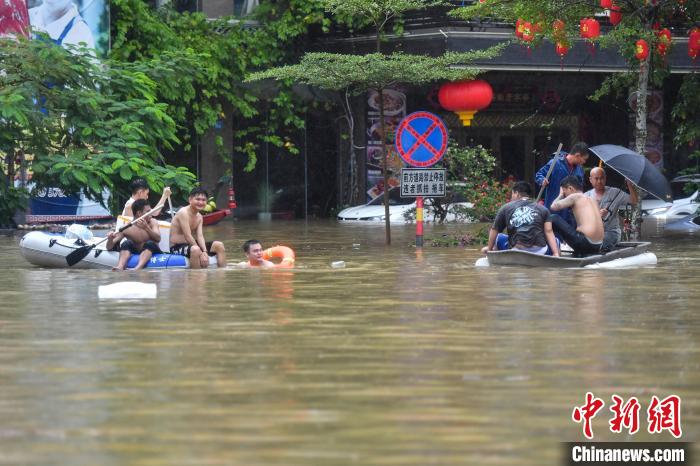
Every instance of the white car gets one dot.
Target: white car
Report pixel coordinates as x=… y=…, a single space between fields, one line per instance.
x=682 y=205
x=402 y=210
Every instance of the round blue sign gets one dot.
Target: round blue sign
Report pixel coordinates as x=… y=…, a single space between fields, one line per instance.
x=421 y=139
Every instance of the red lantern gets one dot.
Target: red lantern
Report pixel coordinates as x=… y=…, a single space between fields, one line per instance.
x=694 y=43
x=615 y=15
x=528 y=31
x=561 y=49
x=590 y=28
x=594 y=27
x=664 y=36
x=606 y=4
x=641 y=50
x=519 y=28
x=465 y=98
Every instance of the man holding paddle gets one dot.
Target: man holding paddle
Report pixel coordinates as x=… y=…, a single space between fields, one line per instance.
x=558 y=168
x=141 y=239
x=186 y=237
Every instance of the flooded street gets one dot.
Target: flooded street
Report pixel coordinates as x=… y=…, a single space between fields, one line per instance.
x=401 y=357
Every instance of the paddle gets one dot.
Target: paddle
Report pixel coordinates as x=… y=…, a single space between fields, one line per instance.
x=549 y=173
x=80 y=253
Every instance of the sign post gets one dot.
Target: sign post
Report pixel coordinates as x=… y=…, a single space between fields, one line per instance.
x=421 y=141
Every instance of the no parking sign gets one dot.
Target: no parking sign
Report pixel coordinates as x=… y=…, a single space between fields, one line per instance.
x=421 y=139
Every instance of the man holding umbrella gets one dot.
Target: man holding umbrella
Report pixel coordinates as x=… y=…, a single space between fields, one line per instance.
x=570 y=164
x=610 y=200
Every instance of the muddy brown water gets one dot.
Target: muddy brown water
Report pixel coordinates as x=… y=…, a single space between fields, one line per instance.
x=399 y=358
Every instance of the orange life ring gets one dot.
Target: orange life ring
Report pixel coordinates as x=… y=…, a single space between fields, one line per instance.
x=281 y=252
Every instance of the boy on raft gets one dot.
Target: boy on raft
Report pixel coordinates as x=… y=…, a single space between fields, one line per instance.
x=140 y=190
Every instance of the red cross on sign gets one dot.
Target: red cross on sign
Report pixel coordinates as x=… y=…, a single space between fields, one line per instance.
x=421 y=139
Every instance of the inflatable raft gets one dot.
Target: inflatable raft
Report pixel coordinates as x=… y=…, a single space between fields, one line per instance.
x=50 y=250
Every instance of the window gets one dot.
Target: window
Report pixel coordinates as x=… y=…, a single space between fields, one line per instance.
x=244 y=7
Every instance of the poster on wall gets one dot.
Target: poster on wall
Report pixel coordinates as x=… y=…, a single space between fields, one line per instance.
x=73 y=22
x=14 y=18
x=394 y=112
x=654 y=149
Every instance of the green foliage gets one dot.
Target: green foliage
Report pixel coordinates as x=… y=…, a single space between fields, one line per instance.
x=374 y=71
x=86 y=125
x=487 y=197
x=472 y=163
x=13 y=199
x=637 y=18
x=212 y=57
x=686 y=113
x=472 y=167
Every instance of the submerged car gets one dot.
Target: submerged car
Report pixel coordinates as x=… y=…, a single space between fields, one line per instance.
x=688 y=225
x=683 y=203
x=402 y=209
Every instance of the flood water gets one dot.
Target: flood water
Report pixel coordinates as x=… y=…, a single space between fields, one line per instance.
x=400 y=358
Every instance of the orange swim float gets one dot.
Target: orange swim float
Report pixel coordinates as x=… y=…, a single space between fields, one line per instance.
x=280 y=252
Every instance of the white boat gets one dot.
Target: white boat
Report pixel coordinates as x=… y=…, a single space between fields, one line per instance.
x=50 y=250
x=626 y=254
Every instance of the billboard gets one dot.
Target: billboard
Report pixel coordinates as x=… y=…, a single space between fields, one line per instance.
x=72 y=22
x=13 y=18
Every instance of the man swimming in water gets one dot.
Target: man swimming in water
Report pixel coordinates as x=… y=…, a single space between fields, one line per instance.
x=254 y=252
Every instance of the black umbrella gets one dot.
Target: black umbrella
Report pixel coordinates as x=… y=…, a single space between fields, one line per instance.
x=636 y=168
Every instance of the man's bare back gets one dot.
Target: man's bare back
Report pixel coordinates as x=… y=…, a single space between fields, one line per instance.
x=587 y=214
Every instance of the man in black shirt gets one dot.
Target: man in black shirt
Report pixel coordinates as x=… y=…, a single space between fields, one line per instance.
x=528 y=224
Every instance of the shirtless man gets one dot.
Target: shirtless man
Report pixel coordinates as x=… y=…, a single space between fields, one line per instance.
x=186 y=237
x=141 y=238
x=140 y=190
x=254 y=252
x=588 y=236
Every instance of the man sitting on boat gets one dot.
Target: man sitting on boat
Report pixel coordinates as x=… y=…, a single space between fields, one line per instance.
x=186 y=237
x=140 y=190
x=528 y=224
x=254 y=252
x=587 y=237
x=610 y=200
x=142 y=238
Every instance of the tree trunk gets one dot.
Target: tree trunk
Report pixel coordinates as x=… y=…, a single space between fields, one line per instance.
x=640 y=135
x=385 y=165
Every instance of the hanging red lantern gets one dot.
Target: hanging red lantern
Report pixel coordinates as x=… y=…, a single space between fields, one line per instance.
x=594 y=27
x=606 y=4
x=615 y=15
x=641 y=50
x=519 y=28
x=590 y=28
x=528 y=31
x=465 y=98
x=664 y=36
x=561 y=49
x=694 y=43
